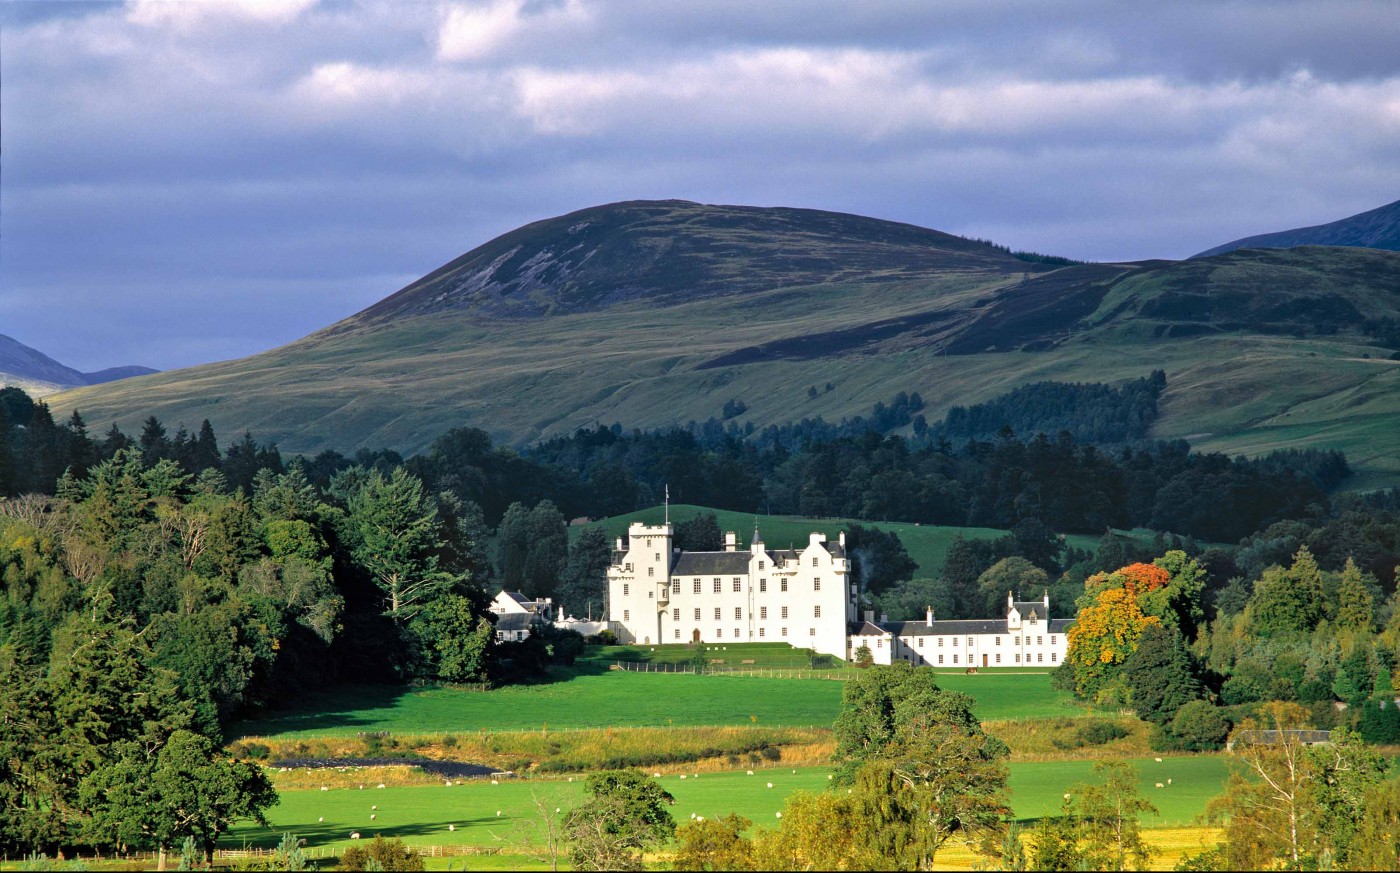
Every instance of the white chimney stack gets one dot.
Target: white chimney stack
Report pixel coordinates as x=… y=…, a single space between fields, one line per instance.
x=928 y=615
x=731 y=541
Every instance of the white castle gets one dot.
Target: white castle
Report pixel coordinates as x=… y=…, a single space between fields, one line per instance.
x=806 y=598
x=660 y=594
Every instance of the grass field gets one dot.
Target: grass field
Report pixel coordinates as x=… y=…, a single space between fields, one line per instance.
x=926 y=544
x=420 y=815
x=622 y=699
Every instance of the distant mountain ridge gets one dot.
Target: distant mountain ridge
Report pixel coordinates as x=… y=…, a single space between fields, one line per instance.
x=654 y=313
x=1375 y=229
x=33 y=370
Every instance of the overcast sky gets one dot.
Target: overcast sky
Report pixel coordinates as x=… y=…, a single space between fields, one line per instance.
x=186 y=182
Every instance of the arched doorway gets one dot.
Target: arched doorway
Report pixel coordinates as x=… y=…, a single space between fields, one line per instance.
x=646 y=641
x=695 y=635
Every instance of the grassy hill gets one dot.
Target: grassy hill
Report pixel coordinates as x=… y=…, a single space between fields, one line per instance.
x=657 y=313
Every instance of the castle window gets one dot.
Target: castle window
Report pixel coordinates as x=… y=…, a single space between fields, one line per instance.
x=816 y=584
x=651 y=571
x=1018 y=641
x=1052 y=641
x=650 y=595
x=675 y=615
x=626 y=589
x=998 y=657
x=696 y=586
x=940 y=659
x=763 y=613
x=783 y=585
x=697 y=613
x=969 y=641
x=626 y=615
x=760 y=632
x=629 y=567
x=811 y=632
x=784 y=632
x=736 y=633
x=763 y=586
x=817 y=612
x=814 y=562
x=658 y=556
x=760 y=565
x=677 y=634
x=1032 y=618
x=955 y=659
x=919 y=641
x=675 y=586
x=1052 y=657
x=738 y=614
x=719 y=633
x=784 y=612
x=717 y=584
x=998 y=640
x=716 y=612
x=940 y=642
x=1039 y=657
x=1038 y=641
x=1018 y=657
x=955 y=641
x=738 y=586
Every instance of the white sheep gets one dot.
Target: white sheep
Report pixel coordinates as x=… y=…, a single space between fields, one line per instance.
x=778 y=814
x=380 y=785
x=1158 y=760
x=321 y=819
x=372 y=808
x=324 y=788
x=1169 y=782
x=355 y=835
x=373 y=817
x=498 y=813
x=770 y=784
x=750 y=772
x=452 y=827
x=1160 y=785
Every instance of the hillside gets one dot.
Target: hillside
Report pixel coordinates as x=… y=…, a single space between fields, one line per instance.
x=657 y=313
x=39 y=374
x=1374 y=229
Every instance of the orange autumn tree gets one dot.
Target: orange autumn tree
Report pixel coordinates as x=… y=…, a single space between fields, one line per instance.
x=1115 y=609
x=1102 y=638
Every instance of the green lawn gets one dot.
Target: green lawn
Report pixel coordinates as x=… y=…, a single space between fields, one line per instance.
x=621 y=699
x=421 y=815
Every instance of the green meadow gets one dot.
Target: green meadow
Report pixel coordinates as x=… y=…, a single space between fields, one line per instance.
x=624 y=699
x=484 y=814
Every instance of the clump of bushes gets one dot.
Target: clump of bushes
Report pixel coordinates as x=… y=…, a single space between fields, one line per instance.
x=1095 y=733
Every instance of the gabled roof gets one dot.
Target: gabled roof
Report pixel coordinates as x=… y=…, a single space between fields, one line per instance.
x=711 y=564
x=835 y=549
x=1026 y=607
x=517 y=597
x=514 y=621
x=866 y=629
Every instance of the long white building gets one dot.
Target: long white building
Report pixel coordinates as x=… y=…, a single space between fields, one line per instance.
x=660 y=594
x=1027 y=637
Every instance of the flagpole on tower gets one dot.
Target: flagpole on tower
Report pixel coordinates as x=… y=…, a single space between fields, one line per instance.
x=668 y=504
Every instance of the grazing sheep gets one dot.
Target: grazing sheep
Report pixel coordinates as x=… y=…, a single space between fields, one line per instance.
x=494 y=782
x=1158 y=760
x=324 y=788
x=321 y=819
x=452 y=827
x=770 y=784
x=380 y=785
x=1160 y=785
x=498 y=813
x=750 y=772
x=778 y=814
x=372 y=808
x=355 y=835
x=373 y=817
x=682 y=775
x=1169 y=782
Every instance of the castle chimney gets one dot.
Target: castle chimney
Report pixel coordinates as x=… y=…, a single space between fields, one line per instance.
x=619 y=544
x=928 y=615
x=841 y=538
x=731 y=541
x=870 y=616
